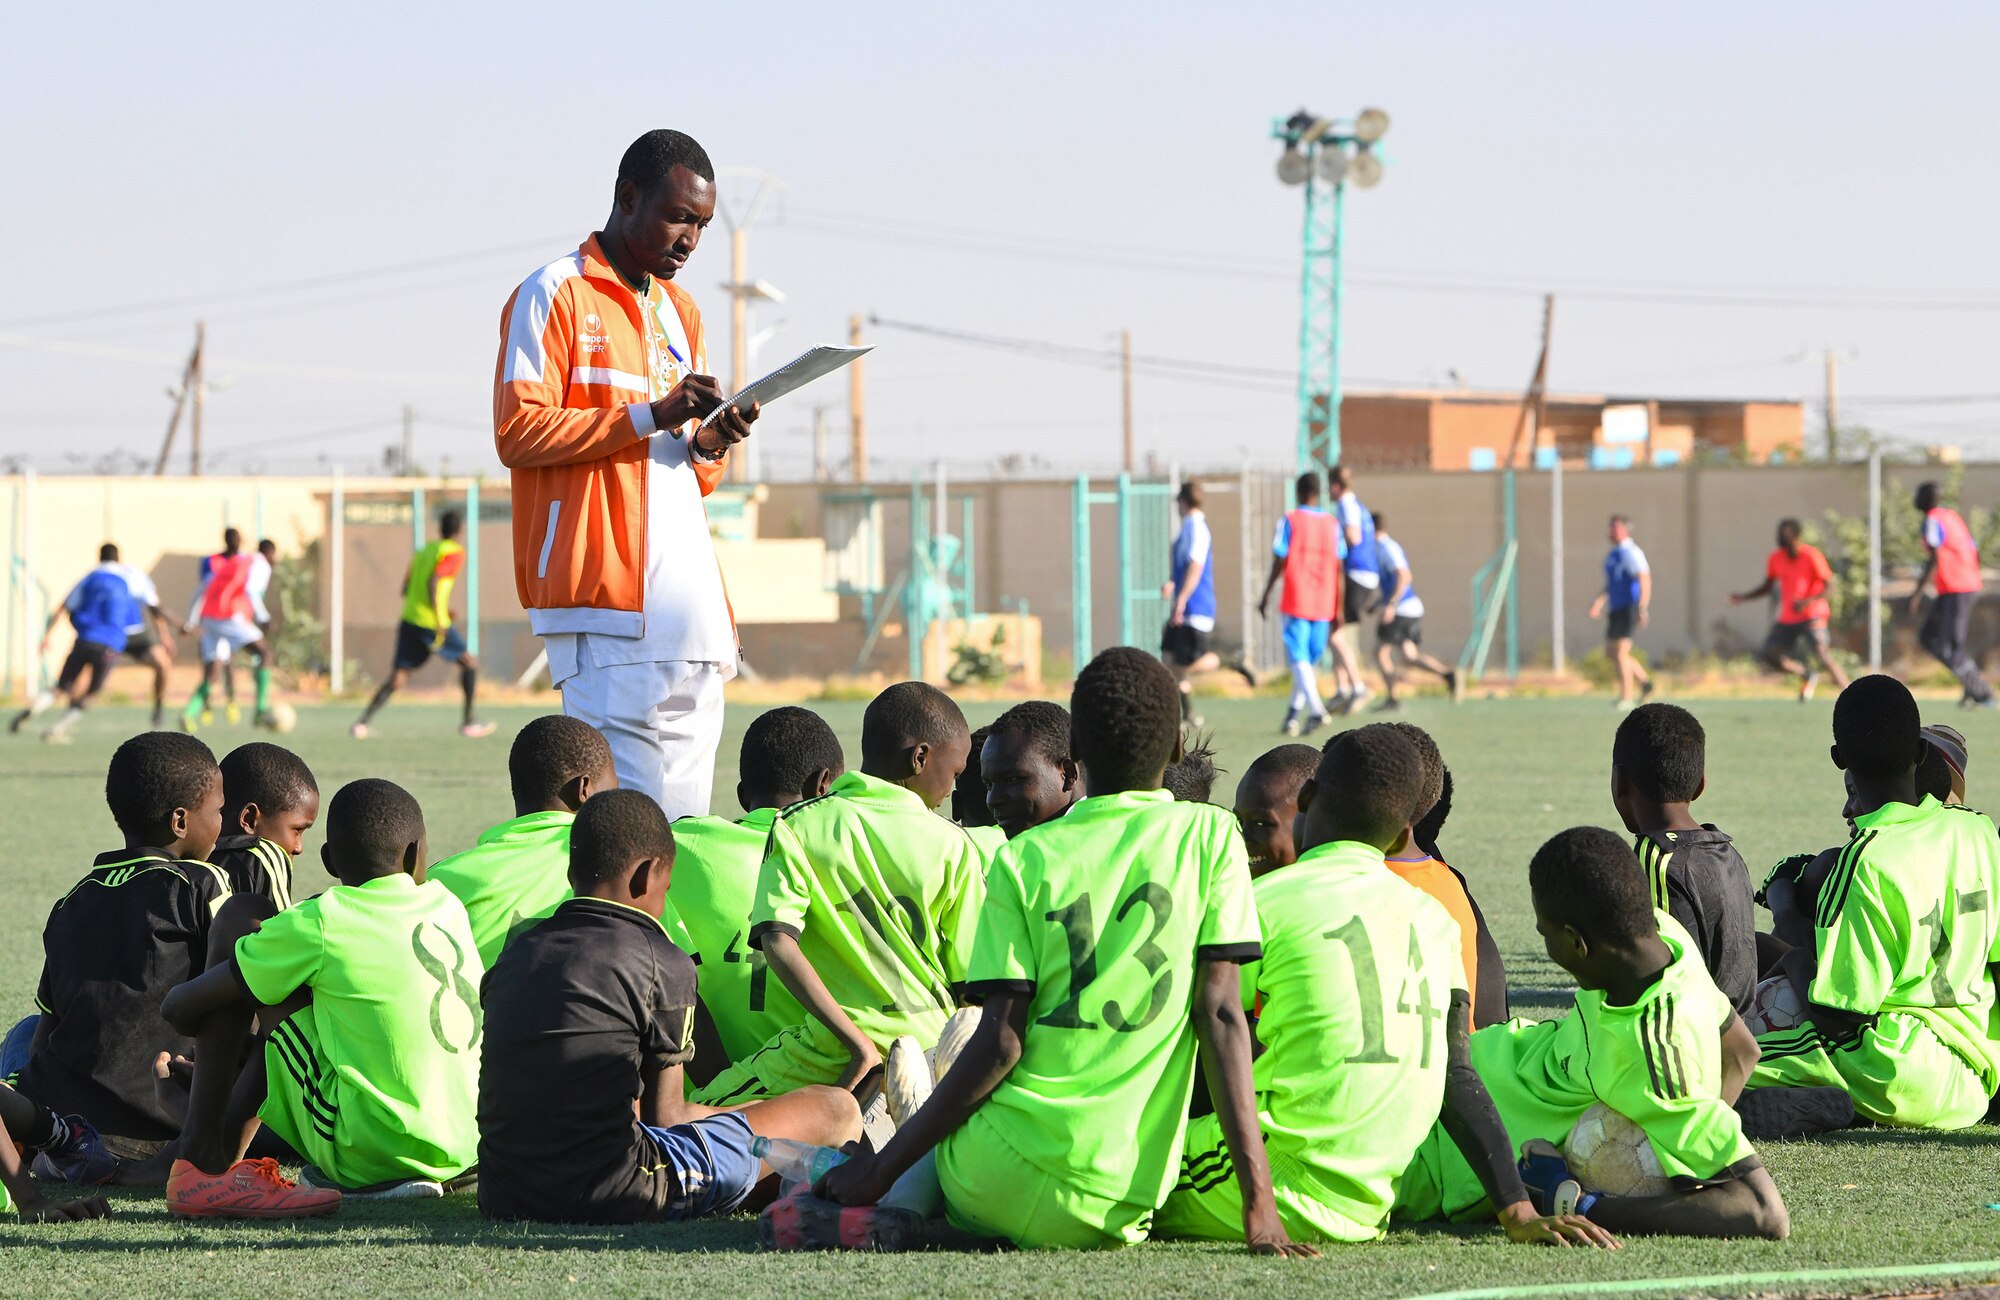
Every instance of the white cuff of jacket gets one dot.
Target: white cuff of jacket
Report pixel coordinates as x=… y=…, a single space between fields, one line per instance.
x=641 y=414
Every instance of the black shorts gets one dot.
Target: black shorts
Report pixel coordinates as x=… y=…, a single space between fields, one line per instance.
x=1356 y=601
x=1618 y=623
x=1795 y=640
x=1401 y=630
x=85 y=655
x=139 y=644
x=415 y=645
x=1182 y=643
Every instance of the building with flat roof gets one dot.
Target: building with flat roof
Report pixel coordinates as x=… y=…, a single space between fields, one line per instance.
x=1474 y=429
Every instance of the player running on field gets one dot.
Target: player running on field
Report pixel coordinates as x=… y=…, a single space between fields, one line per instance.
x=226 y=616
x=1360 y=588
x=101 y=608
x=1400 y=633
x=427 y=628
x=1952 y=563
x=1305 y=555
x=1799 y=573
x=1897 y=984
x=1624 y=605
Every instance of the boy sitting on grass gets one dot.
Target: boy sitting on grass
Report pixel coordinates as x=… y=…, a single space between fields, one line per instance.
x=1650 y=1037
x=18 y=1191
x=789 y=756
x=968 y=799
x=1417 y=866
x=582 y=1115
x=1267 y=805
x=1895 y=980
x=1658 y=768
x=269 y=801
x=1364 y=1018
x=519 y=871
x=866 y=903
x=1191 y=777
x=137 y=925
x=1110 y=944
x=1030 y=775
x=366 y=1003
x=1490 y=1006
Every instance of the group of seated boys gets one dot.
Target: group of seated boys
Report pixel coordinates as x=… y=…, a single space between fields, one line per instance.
x=1280 y=1025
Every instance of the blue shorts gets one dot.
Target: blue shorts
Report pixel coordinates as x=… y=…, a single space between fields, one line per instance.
x=1305 y=639
x=712 y=1164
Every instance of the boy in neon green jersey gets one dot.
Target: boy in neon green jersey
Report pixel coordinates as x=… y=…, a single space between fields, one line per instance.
x=789 y=755
x=866 y=903
x=1651 y=1037
x=1110 y=944
x=1364 y=1017
x=518 y=873
x=1029 y=773
x=366 y=1000
x=1897 y=982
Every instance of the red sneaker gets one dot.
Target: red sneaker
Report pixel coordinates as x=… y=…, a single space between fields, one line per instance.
x=248 y=1189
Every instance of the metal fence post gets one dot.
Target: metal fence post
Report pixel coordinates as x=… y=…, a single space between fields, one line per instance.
x=418 y=533
x=1558 y=653
x=336 y=598
x=1079 y=575
x=1125 y=622
x=471 y=565
x=1875 y=561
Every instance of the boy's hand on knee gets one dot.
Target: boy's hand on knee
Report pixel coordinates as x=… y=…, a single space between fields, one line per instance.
x=863 y=1059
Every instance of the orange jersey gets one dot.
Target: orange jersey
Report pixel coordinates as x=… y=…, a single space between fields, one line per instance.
x=1435 y=879
x=1801 y=581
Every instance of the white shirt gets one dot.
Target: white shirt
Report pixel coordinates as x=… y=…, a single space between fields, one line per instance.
x=1394 y=562
x=1348 y=511
x=686 y=614
x=256 y=585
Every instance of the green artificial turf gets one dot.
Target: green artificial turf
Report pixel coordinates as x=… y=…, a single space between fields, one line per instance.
x=1524 y=769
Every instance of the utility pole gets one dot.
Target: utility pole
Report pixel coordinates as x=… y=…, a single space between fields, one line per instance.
x=857 y=407
x=820 y=474
x=1832 y=405
x=1534 y=402
x=1125 y=376
x=409 y=452
x=180 y=396
x=199 y=387
x=739 y=217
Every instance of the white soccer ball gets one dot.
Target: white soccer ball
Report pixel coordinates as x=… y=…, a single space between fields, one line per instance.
x=1774 y=1004
x=957 y=1033
x=1608 y=1153
x=282 y=717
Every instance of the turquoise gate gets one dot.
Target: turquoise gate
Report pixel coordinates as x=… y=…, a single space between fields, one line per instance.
x=1144 y=528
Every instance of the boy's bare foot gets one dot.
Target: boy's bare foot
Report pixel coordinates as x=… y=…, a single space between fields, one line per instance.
x=150 y=1172
x=172 y=1076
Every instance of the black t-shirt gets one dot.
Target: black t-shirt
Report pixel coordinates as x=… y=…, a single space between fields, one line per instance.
x=580 y=1010
x=1707 y=889
x=255 y=866
x=131 y=930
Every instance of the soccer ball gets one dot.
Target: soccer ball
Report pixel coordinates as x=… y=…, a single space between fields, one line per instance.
x=282 y=717
x=1608 y=1153
x=957 y=1033
x=1774 y=1004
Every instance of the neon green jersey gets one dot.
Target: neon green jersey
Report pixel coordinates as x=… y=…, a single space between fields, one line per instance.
x=988 y=838
x=716 y=862
x=883 y=895
x=516 y=875
x=1103 y=916
x=1909 y=921
x=444 y=558
x=1355 y=983
x=394 y=974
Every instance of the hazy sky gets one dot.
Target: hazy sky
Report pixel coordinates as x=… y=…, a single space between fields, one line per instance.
x=1711 y=189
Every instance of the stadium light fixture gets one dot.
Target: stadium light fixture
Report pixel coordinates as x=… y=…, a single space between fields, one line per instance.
x=1371 y=126
x=1364 y=170
x=1294 y=168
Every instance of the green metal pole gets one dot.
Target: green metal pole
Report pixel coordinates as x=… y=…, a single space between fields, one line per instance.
x=1513 y=596
x=417 y=530
x=917 y=591
x=1126 y=635
x=965 y=556
x=1079 y=575
x=1333 y=327
x=471 y=562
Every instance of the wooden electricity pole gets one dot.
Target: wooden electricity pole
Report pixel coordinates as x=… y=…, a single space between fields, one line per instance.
x=1125 y=377
x=1832 y=405
x=199 y=399
x=1534 y=402
x=189 y=387
x=857 y=407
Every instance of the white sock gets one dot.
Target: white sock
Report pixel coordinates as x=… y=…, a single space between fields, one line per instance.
x=1305 y=689
x=42 y=702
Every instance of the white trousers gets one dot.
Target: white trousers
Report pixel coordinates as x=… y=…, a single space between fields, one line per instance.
x=664 y=722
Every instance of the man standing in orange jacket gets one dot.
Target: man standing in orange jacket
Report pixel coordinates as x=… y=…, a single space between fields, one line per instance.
x=598 y=396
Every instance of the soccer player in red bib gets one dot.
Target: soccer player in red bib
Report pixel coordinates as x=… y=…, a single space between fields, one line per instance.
x=1305 y=553
x=226 y=615
x=1799 y=573
x=1954 y=566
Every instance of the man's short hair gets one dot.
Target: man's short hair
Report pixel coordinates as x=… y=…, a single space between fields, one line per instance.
x=1427 y=753
x=107 y=553
x=371 y=822
x=1662 y=749
x=1790 y=528
x=1307 y=488
x=1340 y=476
x=266 y=547
x=1590 y=879
x=1044 y=724
x=613 y=831
x=1369 y=783
x=231 y=539
x=1928 y=496
x=650 y=158
x=1380 y=520
x=1428 y=826
x=1288 y=766
x=449 y=522
x=270 y=776
x=1190 y=495
x=549 y=753
x=1877 y=728
x=1192 y=780
x=784 y=747
x=910 y=713
x=154 y=773
x=1621 y=519
x=1125 y=716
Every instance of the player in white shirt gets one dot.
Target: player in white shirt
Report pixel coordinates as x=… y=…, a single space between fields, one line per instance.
x=1399 y=635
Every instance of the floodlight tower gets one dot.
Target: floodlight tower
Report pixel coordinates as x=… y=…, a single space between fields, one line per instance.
x=1324 y=156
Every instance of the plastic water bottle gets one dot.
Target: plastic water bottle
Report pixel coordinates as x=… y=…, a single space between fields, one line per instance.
x=794 y=1161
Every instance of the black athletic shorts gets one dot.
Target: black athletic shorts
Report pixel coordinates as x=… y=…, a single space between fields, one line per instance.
x=1182 y=643
x=1795 y=640
x=139 y=644
x=1618 y=623
x=85 y=655
x=415 y=645
x=1400 y=629
x=1358 y=602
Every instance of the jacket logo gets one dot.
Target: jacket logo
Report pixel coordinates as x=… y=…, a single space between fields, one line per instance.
x=592 y=324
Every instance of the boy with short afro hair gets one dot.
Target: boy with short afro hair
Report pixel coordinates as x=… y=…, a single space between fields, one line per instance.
x=1109 y=945
x=1896 y=984
x=1267 y=805
x=866 y=903
x=789 y=755
x=1030 y=775
x=582 y=1113
x=1191 y=777
x=1422 y=868
x=366 y=1003
x=1650 y=1037
x=519 y=871
x=1658 y=768
x=135 y=926
x=968 y=798
x=269 y=801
